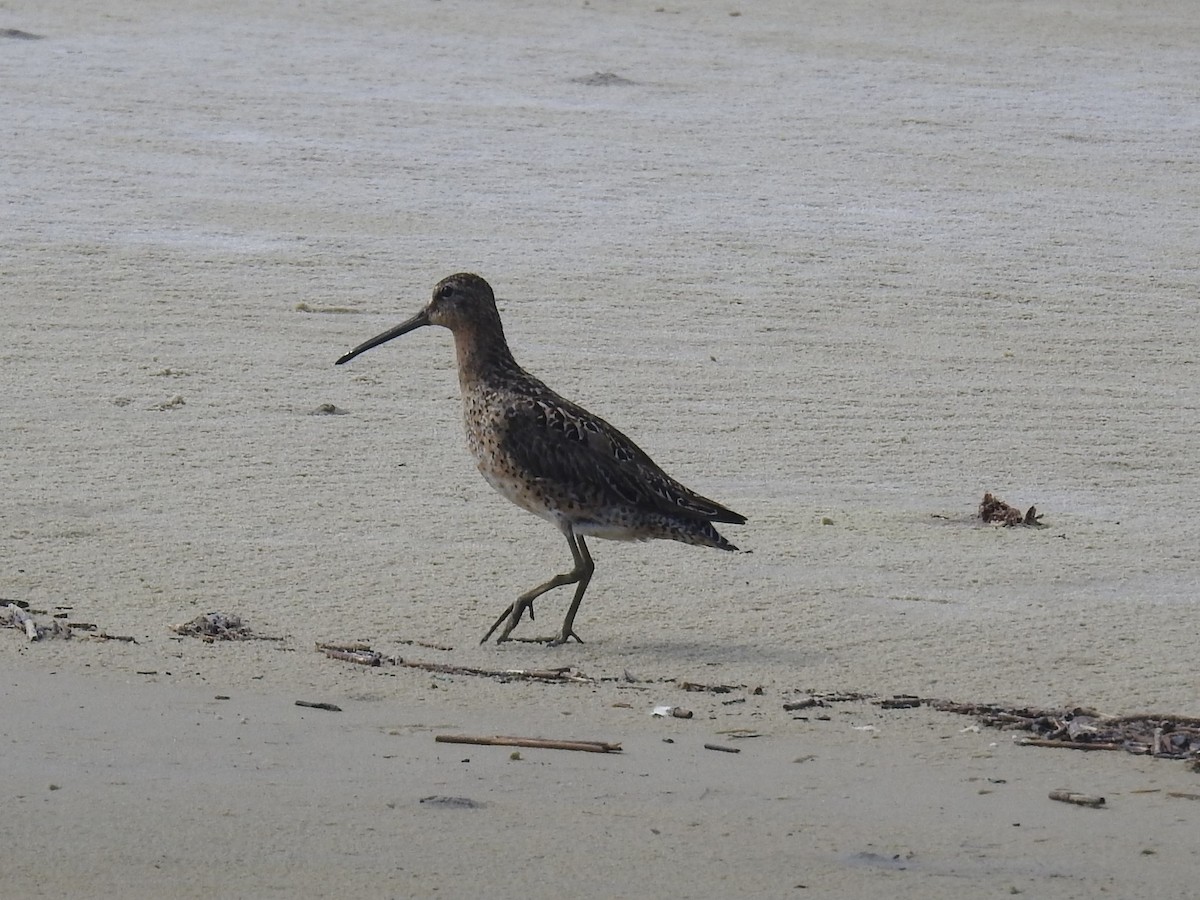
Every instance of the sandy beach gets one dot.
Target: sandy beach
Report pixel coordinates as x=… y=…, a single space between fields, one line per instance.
x=842 y=267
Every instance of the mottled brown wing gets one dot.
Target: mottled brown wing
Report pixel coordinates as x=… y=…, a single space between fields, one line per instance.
x=579 y=454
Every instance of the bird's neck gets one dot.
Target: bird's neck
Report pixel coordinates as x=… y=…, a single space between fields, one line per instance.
x=483 y=354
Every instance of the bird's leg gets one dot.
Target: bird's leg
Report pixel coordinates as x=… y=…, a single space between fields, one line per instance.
x=585 y=567
x=580 y=574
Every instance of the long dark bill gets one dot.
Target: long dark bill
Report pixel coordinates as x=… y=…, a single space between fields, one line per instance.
x=417 y=321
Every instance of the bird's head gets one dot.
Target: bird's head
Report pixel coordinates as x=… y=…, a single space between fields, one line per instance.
x=459 y=302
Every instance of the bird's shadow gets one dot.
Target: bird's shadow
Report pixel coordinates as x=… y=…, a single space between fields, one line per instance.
x=713 y=654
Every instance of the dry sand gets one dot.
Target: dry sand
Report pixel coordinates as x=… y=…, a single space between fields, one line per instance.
x=850 y=263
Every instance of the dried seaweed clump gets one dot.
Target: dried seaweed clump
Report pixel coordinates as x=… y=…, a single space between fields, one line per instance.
x=1152 y=734
x=993 y=509
x=216 y=626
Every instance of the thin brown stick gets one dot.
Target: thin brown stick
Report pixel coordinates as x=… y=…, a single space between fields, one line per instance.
x=555 y=675
x=536 y=743
x=1068 y=745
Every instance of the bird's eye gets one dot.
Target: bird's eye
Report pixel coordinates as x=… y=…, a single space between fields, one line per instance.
x=445 y=292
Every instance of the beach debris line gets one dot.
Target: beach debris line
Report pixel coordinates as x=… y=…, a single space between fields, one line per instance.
x=219 y=626
x=361 y=653
x=995 y=511
x=1077 y=799
x=537 y=743
x=1082 y=728
x=1160 y=735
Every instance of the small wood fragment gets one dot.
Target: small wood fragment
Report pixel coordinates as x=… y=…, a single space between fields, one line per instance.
x=363 y=657
x=1077 y=799
x=124 y=638
x=343 y=645
x=803 y=703
x=314 y=705
x=722 y=748
x=533 y=742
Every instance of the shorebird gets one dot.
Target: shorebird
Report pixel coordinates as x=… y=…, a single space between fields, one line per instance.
x=550 y=456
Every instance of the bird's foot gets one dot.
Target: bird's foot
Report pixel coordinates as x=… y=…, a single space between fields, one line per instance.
x=564 y=637
x=512 y=614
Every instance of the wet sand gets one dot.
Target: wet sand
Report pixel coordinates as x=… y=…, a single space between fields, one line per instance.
x=842 y=268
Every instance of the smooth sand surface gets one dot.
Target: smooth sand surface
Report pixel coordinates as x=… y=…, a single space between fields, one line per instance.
x=843 y=267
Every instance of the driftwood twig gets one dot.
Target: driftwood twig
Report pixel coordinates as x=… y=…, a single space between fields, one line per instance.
x=312 y=704
x=362 y=654
x=1068 y=745
x=536 y=743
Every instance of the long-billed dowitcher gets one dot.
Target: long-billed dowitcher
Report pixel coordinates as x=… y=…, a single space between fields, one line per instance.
x=550 y=456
